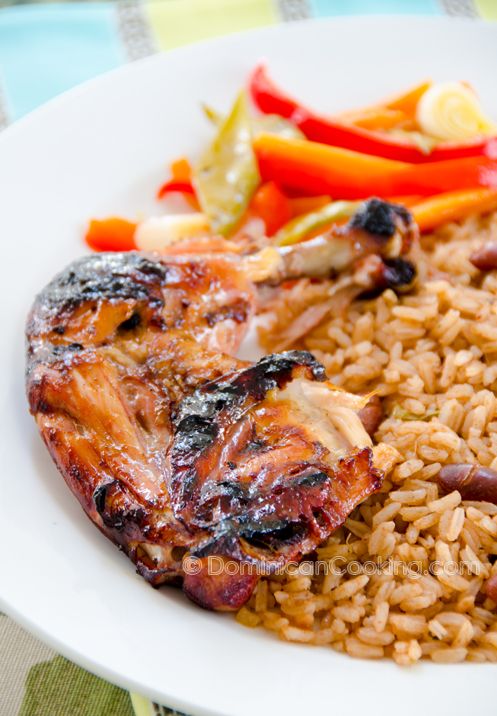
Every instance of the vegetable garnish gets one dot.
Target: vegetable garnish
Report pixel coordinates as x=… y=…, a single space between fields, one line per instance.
x=400 y=413
x=315 y=168
x=375 y=118
x=160 y=232
x=227 y=176
x=302 y=226
x=450 y=175
x=287 y=173
x=112 y=234
x=451 y=111
x=407 y=101
x=180 y=182
x=407 y=200
x=453 y=206
x=171 y=186
x=261 y=124
x=270 y=99
x=397 y=111
x=306 y=204
x=272 y=206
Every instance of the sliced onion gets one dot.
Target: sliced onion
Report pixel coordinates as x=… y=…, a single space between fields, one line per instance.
x=159 y=232
x=451 y=111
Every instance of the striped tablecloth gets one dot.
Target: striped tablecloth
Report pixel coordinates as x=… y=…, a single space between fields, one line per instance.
x=46 y=48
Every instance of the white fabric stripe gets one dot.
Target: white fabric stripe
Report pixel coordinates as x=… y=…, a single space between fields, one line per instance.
x=293 y=9
x=20 y=651
x=459 y=8
x=134 y=30
x=4 y=115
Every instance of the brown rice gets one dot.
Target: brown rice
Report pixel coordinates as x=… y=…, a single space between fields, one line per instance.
x=432 y=356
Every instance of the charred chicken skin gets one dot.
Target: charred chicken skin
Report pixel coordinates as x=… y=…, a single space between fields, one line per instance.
x=174 y=447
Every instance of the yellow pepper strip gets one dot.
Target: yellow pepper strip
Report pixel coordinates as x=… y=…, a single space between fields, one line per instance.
x=390 y=113
x=379 y=118
x=407 y=102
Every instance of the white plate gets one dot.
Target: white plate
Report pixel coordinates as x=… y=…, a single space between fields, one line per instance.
x=102 y=149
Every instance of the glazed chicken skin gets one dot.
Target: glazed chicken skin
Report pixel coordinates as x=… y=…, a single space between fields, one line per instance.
x=174 y=447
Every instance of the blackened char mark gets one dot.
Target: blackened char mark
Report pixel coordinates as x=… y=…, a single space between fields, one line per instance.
x=398 y=274
x=380 y=218
x=275 y=371
x=195 y=433
x=60 y=350
x=92 y=281
x=277 y=522
x=200 y=423
x=238 y=311
x=131 y=323
x=100 y=277
x=275 y=537
x=99 y=497
x=196 y=415
x=117 y=509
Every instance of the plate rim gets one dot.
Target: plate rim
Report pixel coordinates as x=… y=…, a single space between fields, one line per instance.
x=94 y=665
x=289 y=26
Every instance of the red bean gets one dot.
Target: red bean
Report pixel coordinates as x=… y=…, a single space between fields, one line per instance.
x=485 y=258
x=474 y=482
x=490 y=588
x=372 y=415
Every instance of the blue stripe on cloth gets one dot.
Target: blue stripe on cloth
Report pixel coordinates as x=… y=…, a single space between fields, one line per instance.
x=325 y=8
x=45 y=50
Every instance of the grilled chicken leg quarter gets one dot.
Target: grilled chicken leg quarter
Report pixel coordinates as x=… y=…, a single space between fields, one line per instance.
x=174 y=447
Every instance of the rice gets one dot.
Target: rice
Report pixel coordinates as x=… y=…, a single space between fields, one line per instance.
x=420 y=558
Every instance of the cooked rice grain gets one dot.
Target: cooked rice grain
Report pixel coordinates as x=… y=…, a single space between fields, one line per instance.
x=432 y=356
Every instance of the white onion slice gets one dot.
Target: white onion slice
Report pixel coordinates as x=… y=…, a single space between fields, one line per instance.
x=451 y=111
x=159 y=232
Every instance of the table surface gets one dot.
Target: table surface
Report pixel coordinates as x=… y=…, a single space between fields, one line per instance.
x=45 y=49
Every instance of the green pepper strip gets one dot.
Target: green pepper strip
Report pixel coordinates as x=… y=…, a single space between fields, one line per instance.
x=227 y=174
x=261 y=124
x=298 y=228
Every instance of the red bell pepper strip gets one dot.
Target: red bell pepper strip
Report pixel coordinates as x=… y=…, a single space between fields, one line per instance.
x=112 y=234
x=450 y=175
x=272 y=206
x=172 y=186
x=271 y=100
x=313 y=168
x=181 y=175
x=310 y=168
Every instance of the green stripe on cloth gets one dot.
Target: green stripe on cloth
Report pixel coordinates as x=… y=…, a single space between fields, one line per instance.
x=35 y=681
x=19 y=651
x=60 y=688
x=179 y=22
